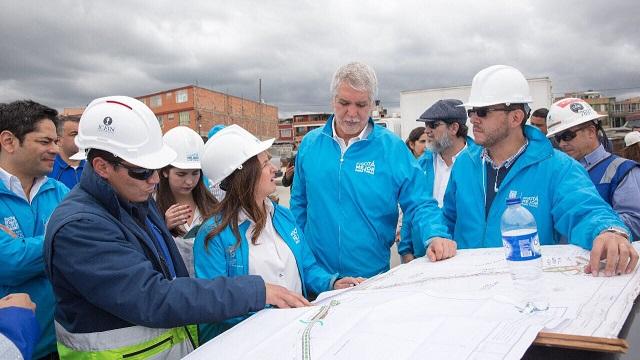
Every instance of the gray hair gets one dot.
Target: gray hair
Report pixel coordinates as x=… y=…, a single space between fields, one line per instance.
x=359 y=76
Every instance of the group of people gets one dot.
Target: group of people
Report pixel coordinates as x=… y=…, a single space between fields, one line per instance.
x=140 y=259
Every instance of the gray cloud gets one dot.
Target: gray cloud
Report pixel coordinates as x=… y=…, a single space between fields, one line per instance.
x=66 y=53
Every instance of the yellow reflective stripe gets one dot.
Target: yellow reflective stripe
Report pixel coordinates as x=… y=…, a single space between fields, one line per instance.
x=193 y=330
x=174 y=341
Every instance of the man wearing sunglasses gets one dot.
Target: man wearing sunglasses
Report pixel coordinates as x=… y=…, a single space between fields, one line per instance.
x=122 y=288
x=516 y=160
x=28 y=197
x=574 y=125
x=446 y=130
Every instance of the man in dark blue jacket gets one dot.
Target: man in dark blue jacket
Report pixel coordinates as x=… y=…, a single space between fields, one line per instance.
x=122 y=288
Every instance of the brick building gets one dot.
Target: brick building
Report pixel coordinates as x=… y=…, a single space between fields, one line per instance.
x=200 y=109
x=302 y=124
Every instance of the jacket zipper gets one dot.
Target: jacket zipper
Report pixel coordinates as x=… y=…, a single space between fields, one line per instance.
x=148 y=348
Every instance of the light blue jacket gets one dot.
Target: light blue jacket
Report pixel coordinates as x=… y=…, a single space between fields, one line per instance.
x=222 y=257
x=408 y=243
x=21 y=260
x=553 y=187
x=347 y=204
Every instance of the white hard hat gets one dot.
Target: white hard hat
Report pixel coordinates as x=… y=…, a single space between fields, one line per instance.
x=127 y=128
x=498 y=84
x=567 y=113
x=632 y=138
x=80 y=155
x=188 y=144
x=228 y=149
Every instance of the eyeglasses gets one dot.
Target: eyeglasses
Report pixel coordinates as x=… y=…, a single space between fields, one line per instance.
x=484 y=111
x=135 y=172
x=433 y=124
x=568 y=135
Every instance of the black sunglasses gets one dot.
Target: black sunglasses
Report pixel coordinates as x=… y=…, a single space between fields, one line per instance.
x=484 y=111
x=135 y=172
x=433 y=124
x=568 y=135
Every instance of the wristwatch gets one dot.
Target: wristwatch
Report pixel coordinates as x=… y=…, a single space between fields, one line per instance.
x=618 y=231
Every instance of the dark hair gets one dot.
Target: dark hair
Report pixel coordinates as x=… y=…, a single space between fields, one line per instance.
x=414 y=135
x=240 y=188
x=541 y=113
x=97 y=153
x=22 y=117
x=201 y=195
x=632 y=152
x=462 y=130
x=62 y=119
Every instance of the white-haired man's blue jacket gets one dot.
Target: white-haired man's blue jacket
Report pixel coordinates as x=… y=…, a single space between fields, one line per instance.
x=347 y=204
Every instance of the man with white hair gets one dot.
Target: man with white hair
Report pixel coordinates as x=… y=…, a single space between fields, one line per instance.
x=350 y=176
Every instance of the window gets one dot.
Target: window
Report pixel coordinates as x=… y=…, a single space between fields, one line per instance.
x=170 y=116
x=301 y=131
x=285 y=133
x=160 y=120
x=182 y=96
x=156 y=101
x=184 y=118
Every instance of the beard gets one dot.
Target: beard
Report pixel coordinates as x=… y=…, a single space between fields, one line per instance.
x=439 y=145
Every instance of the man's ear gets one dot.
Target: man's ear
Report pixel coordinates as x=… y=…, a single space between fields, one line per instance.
x=516 y=117
x=8 y=141
x=101 y=167
x=454 y=127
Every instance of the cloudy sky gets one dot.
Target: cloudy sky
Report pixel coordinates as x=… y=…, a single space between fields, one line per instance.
x=65 y=53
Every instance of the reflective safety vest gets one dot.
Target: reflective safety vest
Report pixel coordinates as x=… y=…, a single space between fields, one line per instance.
x=608 y=173
x=133 y=343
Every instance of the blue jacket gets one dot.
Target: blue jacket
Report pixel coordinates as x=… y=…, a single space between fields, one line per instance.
x=22 y=266
x=20 y=327
x=66 y=174
x=409 y=244
x=107 y=274
x=347 y=204
x=223 y=258
x=553 y=187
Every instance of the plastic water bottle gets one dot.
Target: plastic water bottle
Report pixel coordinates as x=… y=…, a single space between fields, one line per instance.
x=522 y=250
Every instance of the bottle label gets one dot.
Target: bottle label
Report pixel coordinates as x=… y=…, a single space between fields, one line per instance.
x=521 y=247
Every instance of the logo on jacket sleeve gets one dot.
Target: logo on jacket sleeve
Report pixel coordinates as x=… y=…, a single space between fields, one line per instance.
x=294 y=236
x=368 y=167
x=12 y=223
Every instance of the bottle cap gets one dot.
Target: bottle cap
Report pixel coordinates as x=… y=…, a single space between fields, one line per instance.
x=513 y=201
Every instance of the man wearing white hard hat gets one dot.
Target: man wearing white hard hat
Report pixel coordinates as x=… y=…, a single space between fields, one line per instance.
x=351 y=174
x=122 y=288
x=516 y=160
x=574 y=125
x=632 y=146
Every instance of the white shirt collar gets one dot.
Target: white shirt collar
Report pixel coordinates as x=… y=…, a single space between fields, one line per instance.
x=363 y=135
x=13 y=184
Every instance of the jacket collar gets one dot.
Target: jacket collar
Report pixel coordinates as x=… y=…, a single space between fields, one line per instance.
x=60 y=163
x=104 y=193
x=328 y=128
x=539 y=149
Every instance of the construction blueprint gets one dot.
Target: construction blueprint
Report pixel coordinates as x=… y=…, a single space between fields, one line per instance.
x=460 y=308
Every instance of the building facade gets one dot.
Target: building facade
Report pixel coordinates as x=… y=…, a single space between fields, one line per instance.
x=201 y=109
